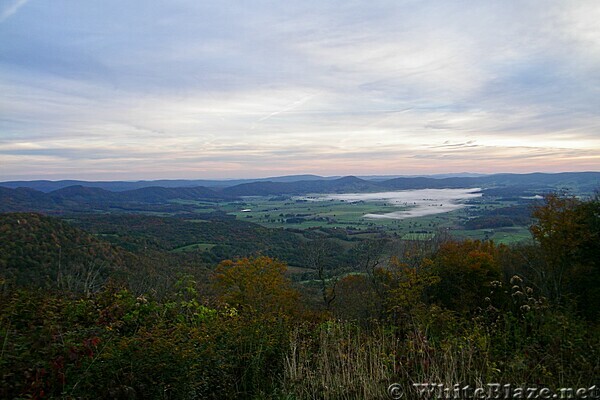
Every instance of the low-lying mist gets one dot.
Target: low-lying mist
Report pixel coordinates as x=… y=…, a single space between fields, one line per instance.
x=414 y=203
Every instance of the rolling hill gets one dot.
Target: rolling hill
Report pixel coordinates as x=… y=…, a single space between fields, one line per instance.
x=34 y=248
x=82 y=198
x=47 y=186
x=340 y=185
x=160 y=199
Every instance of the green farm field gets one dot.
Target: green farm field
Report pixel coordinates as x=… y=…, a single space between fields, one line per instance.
x=292 y=213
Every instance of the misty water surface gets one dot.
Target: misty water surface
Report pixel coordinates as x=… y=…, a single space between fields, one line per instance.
x=414 y=203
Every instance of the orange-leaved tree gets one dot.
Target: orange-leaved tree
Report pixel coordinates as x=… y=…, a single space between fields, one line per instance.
x=406 y=289
x=256 y=285
x=465 y=270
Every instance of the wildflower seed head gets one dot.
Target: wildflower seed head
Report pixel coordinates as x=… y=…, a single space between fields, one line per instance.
x=529 y=290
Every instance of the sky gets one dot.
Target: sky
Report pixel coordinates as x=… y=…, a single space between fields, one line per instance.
x=145 y=89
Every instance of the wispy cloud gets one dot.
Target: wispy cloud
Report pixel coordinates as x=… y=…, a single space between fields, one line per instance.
x=11 y=8
x=193 y=89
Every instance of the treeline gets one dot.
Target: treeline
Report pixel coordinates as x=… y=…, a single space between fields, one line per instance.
x=230 y=237
x=518 y=215
x=440 y=311
x=140 y=246
x=82 y=199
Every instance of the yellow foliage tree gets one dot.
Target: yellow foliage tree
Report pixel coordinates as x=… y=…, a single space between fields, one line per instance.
x=256 y=285
x=466 y=269
x=406 y=288
x=561 y=233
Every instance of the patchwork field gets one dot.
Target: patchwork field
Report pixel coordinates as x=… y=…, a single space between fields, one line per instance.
x=355 y=216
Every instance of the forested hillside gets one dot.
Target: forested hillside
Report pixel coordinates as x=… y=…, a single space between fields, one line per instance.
x=221 y=236
x=85 y=199
x=34 y=248
x=113 y=306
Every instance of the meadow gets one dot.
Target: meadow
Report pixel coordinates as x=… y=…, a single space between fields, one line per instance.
x=367 y=218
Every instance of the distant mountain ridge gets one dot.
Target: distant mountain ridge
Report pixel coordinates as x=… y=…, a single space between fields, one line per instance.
x=121 y=186
x=410 y=181
x=157 y=198
x=345 y=184
x=80 y=198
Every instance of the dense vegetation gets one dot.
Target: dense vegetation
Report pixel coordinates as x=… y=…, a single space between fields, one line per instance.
x=359 y=315
x=500 y=217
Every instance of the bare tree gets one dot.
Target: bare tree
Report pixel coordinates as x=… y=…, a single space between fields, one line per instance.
x=85 y=278
x=317 y=256
x=368 y=256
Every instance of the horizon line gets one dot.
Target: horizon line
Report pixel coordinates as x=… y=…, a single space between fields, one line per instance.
x=392 y=176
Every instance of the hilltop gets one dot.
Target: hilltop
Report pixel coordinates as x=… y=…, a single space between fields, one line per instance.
x=41 y=195
x=37 y=249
